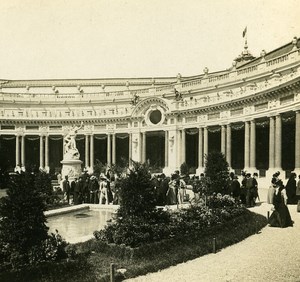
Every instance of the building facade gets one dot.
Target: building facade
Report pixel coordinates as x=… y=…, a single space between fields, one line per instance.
x=250 y=112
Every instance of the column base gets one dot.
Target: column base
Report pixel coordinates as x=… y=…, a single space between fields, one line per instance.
x=200 y=170
x=297 y=171
x=250 y=170
x=169 y=170
x=271 y=171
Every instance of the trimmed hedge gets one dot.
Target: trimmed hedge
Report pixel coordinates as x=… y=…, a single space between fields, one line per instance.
x=251 y=224
x=91 y=263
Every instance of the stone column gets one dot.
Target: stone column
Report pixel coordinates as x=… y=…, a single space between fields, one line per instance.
x=18 y=151
x=200 y=149
x=47 y=153
x=200 y=168
x=92 y=152
x=278 y=138
x=143 y=147
x=228 y=144
x=253 y=145
x=87 y=151
x=140 y=147
x=130 y=149
x=178 y=147
x=247 y=146
x=272 y=143
x=41 y=151
x=183 y=149
x=205 y=144
x=108 y=149
x=114 y=148
x=223 y=139
x=23 y=151
x=297 y=143
x=166 y=147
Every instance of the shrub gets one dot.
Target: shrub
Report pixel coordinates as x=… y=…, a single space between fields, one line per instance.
x=24 y=238
x=55 y=247
x=137 y=192
x=184 y=169
x=217 y=170
x=22 y=226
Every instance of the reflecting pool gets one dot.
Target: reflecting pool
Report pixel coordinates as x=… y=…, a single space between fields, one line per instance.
x=78 y=226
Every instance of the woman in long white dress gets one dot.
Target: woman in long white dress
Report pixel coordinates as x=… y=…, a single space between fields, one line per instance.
x=271 y=191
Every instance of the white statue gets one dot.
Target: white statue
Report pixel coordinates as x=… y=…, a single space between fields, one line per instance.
x=70 y=150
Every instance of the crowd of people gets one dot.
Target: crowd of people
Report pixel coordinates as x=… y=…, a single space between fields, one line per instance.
x=90 y=189
x=169 y=190
x=172 y=190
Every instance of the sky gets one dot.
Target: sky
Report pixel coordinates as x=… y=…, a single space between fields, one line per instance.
x=78 y=39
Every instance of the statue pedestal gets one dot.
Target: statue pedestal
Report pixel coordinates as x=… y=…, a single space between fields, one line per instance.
x=72 y=168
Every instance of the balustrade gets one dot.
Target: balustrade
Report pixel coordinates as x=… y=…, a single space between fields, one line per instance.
x=158 y=91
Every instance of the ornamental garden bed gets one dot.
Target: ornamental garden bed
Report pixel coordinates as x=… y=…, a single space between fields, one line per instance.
x=93 y=258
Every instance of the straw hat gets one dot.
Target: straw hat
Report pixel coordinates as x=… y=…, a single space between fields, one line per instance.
x=102 y=176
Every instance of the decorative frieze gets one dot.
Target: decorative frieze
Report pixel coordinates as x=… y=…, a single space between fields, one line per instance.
x=237 y=112
x=274 y=103
x=122 y=125
x=55 y=127
x=99 y=126
x=287 y=100
x=7 y=127
x=248 y=110
x=213 y=116
x=190 y=119
x=260 y=107
x=225 y=114
x=32 y=127
x=202 y=118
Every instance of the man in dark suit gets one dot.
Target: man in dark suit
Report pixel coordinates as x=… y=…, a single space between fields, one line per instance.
x=78 y=189
x=66 y=188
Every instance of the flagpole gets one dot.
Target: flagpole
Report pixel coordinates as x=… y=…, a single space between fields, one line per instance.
x=246 y=31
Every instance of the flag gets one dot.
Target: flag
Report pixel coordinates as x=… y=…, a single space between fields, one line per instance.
x=244 y=32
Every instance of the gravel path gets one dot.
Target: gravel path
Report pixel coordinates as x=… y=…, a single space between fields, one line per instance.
x=271 y=255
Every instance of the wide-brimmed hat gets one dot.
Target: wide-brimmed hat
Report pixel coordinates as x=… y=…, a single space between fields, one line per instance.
x=102 y=176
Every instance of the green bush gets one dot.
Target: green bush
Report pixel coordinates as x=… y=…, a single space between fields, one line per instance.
x=135 y=231
x=217 y=170
x=24 y=238
x=42 y=184
x=184 y=169
x=137 y=193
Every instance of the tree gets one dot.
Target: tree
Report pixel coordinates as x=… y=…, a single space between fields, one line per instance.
x=23 y=229
x=184 y=169
x=217 y=170
x=138 y=220
x=137 y=192
x=44 y=186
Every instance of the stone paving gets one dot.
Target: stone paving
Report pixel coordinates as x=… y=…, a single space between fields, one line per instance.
x=271 y=255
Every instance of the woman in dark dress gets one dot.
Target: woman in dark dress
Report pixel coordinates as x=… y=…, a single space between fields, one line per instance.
x=281 y=216
x=291 y=189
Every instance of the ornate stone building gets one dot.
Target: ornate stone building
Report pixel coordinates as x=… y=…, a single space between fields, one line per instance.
x=250 y=112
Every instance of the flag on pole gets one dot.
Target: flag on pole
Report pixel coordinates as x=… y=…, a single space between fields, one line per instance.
x=244 y=32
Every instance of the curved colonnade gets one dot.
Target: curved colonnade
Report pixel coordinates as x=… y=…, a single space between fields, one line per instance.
x=251 y=113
